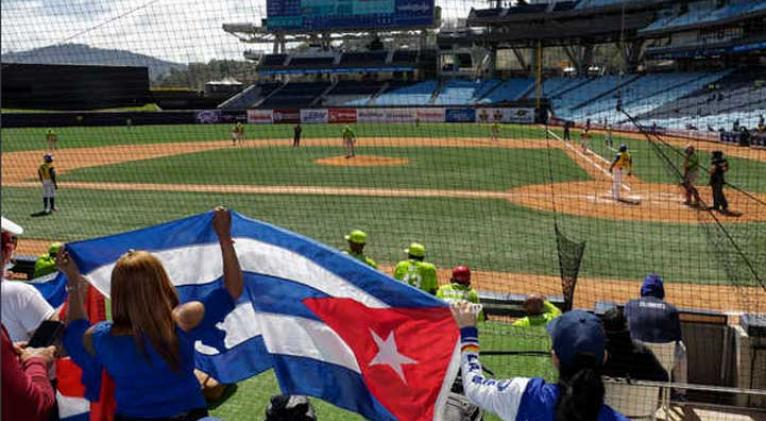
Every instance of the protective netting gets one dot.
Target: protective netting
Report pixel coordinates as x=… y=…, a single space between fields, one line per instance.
x=547 y=145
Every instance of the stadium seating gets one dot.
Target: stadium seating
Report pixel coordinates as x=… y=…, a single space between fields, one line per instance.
x=250 y=96
x=311 y=61
x=509 y=90
x=352 y=93
x=464 y=92
x=705 y=12
x=273 y=60
x=417 y=94
x=364 y=59
x=405 y=57
x=296 y=94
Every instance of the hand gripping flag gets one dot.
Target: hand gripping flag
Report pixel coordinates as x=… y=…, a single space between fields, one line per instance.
x=329 y=325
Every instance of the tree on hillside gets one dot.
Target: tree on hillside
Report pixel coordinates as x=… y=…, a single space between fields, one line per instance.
x=197 y=74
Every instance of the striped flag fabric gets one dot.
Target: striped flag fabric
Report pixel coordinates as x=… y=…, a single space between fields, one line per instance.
x=328 y=325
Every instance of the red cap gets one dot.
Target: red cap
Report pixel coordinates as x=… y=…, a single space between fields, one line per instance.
x=462 y=275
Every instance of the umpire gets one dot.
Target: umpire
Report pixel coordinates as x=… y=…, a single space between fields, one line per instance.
x=719 y=166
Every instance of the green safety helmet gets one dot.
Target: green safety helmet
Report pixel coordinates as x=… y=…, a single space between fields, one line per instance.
x=357 y=236
x=416 y=249
x=54 y=248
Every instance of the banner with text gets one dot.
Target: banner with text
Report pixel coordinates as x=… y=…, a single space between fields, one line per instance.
x=460 y=115
x=342 y=115
x=386 y=115
x=505 y=115
x=287 y=115
x=314 y=116
x=430 y=115
x=260 y=116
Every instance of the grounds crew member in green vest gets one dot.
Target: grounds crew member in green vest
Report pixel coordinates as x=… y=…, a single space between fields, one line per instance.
x=459 y=289
x=356 y=242
x=46 y=263
x=539 y=312
x=415 y=271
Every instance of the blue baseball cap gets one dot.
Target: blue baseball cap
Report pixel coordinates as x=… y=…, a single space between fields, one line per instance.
x=577 y=332
x=653 y=286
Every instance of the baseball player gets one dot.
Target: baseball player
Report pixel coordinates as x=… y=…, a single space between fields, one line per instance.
x=357 y=239
x=719 y=166
x=237 y=133
x=52 y=139
x=623 y=162
x=416 y=271
x=47 y=175
x=297 y=130
x=495 y=130
x=585 y=135
x=609 y=141
x=349 y=138
x=459 y=288
x=691 y=171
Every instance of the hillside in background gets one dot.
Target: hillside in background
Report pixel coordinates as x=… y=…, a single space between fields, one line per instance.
x=84 y=54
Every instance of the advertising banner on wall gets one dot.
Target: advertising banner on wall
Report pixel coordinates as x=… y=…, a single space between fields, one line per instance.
x=430 y=115
x=314 y=116
x=460 y=115
x=208 y=116
x=287 y=115
x=259 y=117
x=342 y=115
x=505 y=115
x=386 y=115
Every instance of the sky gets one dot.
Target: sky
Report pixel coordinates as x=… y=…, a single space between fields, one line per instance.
x=178 y=30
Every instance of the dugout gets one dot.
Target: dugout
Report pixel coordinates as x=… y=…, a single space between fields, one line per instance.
x=73 y=87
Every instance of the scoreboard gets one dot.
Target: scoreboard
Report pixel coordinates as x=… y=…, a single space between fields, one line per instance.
x=330 y=15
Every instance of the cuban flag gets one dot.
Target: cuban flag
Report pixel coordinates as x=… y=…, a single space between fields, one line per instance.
x=328 y=325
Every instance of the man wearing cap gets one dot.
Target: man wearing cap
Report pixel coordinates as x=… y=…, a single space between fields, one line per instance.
x=459 y=288
x=349 y=139
x=416 y=271
x=653 y=320
x=46 y=263
x=52 y=139
x=539 y=311
x=26 y=392
x=579 y=350
x=47 y=175
x=691 y=171
x=357 y=239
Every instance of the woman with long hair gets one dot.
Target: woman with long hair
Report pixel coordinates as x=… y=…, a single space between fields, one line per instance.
x=148 y=347
x=579 y=344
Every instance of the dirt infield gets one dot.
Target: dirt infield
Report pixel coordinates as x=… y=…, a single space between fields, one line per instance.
x=362 y=161
x=658 y=202
x=724 y=298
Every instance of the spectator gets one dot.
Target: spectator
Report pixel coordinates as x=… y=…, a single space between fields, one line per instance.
x=357 y=239
x=628 y=358
x=539 y=312
x=148 y=349
x=23 y=307
x=652 y=320
x=761 y=124
x=578 y=341
x=26 y=393
x=416 y=271
x=46 y=263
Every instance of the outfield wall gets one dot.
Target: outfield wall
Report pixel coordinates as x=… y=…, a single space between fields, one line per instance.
x=519 y=115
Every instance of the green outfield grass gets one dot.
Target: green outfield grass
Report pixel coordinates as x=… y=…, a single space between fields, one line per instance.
x=77 y=137
x=485 y=234
x=428 y=168
x=252 y=396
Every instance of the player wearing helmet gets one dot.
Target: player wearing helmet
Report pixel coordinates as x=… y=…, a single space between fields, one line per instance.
x=47 y=176
x=459 y=288
x=357 y=239
x=623 y=162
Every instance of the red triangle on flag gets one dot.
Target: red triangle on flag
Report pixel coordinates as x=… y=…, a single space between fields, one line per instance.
x=403 y=353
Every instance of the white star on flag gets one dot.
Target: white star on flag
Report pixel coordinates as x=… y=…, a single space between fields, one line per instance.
x=388 y=354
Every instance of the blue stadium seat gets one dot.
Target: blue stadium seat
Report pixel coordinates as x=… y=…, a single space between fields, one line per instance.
x=417 y=94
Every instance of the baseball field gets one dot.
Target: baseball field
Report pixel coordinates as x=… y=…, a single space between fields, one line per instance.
x=490 y=205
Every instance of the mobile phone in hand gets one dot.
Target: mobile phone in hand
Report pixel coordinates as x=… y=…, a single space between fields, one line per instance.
x=46 y=334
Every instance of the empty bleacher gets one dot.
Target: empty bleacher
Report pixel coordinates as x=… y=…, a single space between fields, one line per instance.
x=250 y=96
x=405 y=57
x=705 y=12
x=311 y=61
x=352 y=92
x=296 y=94
x=464 y=92
x=271 y=60
x=364 y=59
x=510 y=90
x=417 y=94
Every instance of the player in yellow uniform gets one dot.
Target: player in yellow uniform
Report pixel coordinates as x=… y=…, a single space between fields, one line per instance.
x=495 y=131
x=237 y=133
x=349 y=139
x=47 y=176
x=357 y=239
x=459 y=289
x=52 y=139
x=416 y=271
x=623 y=162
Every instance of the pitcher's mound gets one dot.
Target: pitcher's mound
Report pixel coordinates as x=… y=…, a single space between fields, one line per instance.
x=362 y=161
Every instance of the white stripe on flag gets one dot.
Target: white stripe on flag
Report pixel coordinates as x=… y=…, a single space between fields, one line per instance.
x=69 y=406
x=201 y=264
x=301 y=337
x=239 y=325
